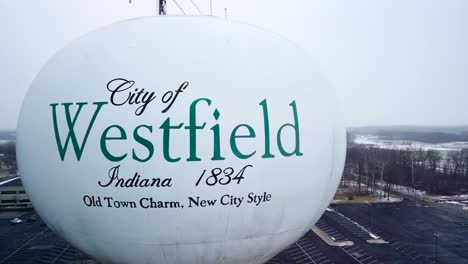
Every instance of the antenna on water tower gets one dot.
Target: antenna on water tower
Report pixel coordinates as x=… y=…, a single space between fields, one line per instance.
x=162 y=7
x=211 y=7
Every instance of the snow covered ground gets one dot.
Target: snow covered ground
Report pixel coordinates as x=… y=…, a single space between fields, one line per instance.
x=378 y=196
x=458 y=200
x=404 y=144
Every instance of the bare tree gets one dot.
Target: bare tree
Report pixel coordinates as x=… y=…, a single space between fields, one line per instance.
x=456 y=166
x=410 y=157
x=465 y=166
x=433 y=158
x=366 y=161
x=381 y=163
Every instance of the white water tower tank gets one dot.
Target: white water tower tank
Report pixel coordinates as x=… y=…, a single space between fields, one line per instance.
x=180 y=140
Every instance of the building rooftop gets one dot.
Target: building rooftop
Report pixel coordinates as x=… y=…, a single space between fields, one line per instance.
x=15 y=182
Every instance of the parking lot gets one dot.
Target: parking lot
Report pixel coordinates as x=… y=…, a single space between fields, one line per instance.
x=398 y=233
x=32 y=242
x=421 y=232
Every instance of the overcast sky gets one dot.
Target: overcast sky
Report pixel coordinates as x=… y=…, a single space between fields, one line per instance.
x=393 y=62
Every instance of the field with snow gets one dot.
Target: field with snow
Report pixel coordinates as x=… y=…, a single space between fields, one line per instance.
x=376 y=141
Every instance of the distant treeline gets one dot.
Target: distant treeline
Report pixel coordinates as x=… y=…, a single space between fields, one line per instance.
x=7 y=135
x=423 y=134
x=424 y=137
x=8 y=156
x=382 y=169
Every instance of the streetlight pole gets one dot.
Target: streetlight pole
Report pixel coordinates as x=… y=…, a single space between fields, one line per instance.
x=412 y=172
x=412 y=179
x=369 y=214
x=436 y=248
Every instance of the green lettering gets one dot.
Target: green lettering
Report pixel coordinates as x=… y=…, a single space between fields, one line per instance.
x=234 y=147
x=104 y=138
x=78 y=148
x=266 y=125
x=296 y=130
x=166 y=126
x=144 y=142
x=192 y=127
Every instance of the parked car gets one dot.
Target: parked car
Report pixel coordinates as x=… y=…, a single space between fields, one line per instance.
x=16 y=221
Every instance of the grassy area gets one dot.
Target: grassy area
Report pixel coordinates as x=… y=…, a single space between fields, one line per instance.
x=354 y=196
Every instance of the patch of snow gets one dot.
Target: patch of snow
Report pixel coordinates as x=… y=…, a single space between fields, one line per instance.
x=452 y=202
x=378 y=142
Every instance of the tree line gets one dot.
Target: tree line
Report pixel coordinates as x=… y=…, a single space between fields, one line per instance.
x=8 y=156
x=433 y=171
